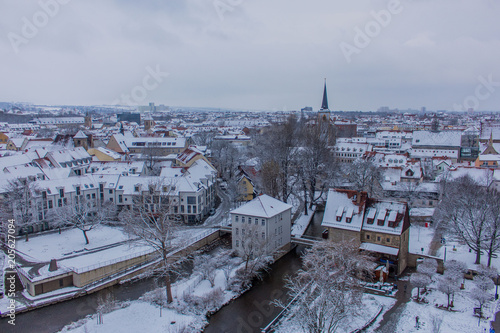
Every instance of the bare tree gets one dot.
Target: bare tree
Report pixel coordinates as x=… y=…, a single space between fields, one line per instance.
x=313 y=158
x=465 y=206
x=152 y=218
x=206 y=266
x=277 y=146
x=226 y=158
x=20 y=203
x=204 y=138
x=328 y=288
x=254 y=248
x=83 y=214
x=152 y=155
x=492 y=242
x=270 y=172
x=364 y=176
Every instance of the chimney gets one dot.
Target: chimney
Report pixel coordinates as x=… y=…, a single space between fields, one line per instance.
x=358 y=198
x=53 y=265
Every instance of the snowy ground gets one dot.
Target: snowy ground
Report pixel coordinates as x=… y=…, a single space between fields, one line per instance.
x=372 y=304
x=300 y=225
x=138 y=317
x=461 y=319
x=420 y=238
x=54 y=245
x=181 y=316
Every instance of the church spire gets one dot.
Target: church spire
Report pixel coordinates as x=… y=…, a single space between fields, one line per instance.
x=324 y=104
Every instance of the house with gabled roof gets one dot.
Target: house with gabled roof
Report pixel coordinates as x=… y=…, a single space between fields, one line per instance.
x=265 y=219
x=377 y=226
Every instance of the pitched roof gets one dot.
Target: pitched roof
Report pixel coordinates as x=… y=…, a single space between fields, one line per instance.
x=262 y=206
x=80 y=135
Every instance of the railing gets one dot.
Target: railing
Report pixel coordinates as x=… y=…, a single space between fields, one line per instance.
x=110 y=262
x=190 y=289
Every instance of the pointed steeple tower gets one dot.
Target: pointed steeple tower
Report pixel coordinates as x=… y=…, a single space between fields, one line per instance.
x=324 y=103
x=324 y=112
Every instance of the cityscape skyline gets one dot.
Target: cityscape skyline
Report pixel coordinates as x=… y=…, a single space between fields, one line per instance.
x=252 y=55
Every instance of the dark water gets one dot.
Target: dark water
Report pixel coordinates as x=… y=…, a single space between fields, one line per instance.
x=253 y=311
x=315 y=229
x=54 y=317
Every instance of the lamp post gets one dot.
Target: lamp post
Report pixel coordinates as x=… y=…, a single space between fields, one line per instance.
x=496 y=289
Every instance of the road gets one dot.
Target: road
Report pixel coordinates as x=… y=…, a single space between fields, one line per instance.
x=222 y=212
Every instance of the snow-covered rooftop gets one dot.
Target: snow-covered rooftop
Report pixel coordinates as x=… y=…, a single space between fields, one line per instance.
x=262 y=206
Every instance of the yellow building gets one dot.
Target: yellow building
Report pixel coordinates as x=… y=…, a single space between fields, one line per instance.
x=246 y=190
x=103 y=154
x=490 y=157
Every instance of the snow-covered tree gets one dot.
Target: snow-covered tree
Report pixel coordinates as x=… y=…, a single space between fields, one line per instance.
x=328 y=288
x=480 y=292
x=206 y=266
x=83 y=214
x=448 y=284
x=419 y=280
x=428 y=267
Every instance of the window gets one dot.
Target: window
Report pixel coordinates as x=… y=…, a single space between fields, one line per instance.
x=191 y=200
x=88 y=196
x=78 y=190
x=93 y=195
x=236 y=218
x=189 y=209
x=50 y=204
x=237 y=243
x=256 y=221
x=249 y=220
x=120 y=198
x=236 y=231
x=243 y=219
x=378 y=238
x=182 y=209
x=367 y=236
x=243 y=231
x=263 y=235
x=61 y=193
x=263 y=222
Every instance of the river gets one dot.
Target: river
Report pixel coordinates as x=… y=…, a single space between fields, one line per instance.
x=253 y=310
x=248 y=313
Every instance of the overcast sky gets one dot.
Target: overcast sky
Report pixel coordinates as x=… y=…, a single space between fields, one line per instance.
x=252 y=54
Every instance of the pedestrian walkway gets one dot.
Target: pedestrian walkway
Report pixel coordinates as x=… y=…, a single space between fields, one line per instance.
x=391 y=317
